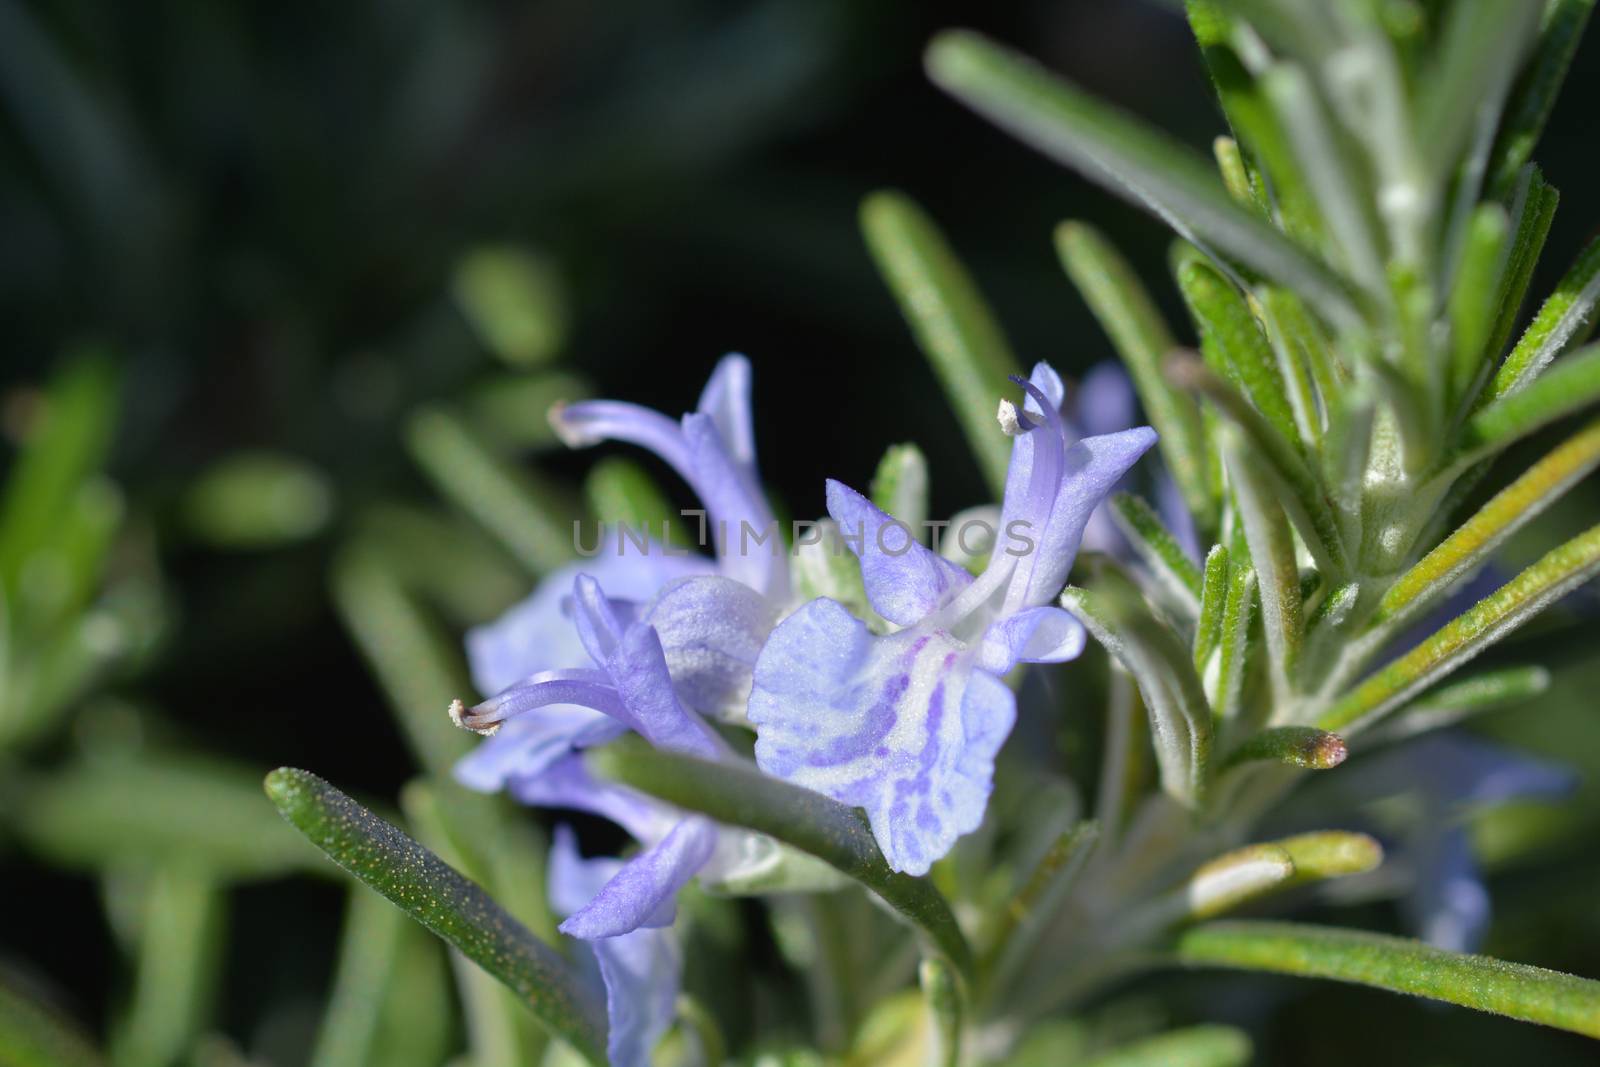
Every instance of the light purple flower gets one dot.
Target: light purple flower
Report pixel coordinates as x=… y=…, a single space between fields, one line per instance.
x=907 y=725
x=710 y=615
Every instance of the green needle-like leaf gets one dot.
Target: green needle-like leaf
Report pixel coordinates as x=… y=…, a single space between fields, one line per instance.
x=1158 y=547
x=418 y=667
x=1557 y=573
x=1471 y=315
x=740 y=795
x=1508 y=511
x=1531 y=994
x=1233 y=645
x=1565 y=319
x=1331 y=854
x=1127 y=157
x=1272 y=552
x=949 y=318
x=1213 y=595
x=1140 y=335
x=1535 y=92
x=508 y=502
x=941 y=992
x=618 y=490
x=179 y=957
x=383 y=857
x=1196 y=1046
x=1567 y=387
x=515 y=302
x=1533 y=208
x=1180 y=718
x=369 y=953
x=1450 y=704
x=1296 y=746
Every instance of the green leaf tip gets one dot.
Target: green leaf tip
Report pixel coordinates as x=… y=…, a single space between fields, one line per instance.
x=1516 y=990
x=389 y=861
x=1297 y=746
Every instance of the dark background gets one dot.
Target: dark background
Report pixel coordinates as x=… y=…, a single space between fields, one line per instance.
x=259 y=207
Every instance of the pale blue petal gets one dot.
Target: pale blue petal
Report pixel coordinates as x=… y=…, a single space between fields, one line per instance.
x=1033 y=635
x=643 y=891
x=641 y=971
x=639 y=671
x=904 y=580
x=567 y=783
x=902 y=726
x=750 y=547
x=726 y=398
x=1091 y=469
x=528 y=744
x=711 y=631
x=537 y=634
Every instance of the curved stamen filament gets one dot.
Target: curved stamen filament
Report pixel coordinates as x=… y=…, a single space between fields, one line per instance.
x=588 y=688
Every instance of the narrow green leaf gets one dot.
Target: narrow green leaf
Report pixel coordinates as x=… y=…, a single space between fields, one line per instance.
x=1450 y=704
x=369 y=953
x=175 y=979
x=1255 y=124
x=1567 y=387
x=1565 y=319
x=1233 y=648
x=1225 y=320
x=159 y=809
x=1024 y=916
x=900 y=487
x=1337 y=188
x=1557 y=573
x=1535 y=92
x=941 y=992
x=1296 y=746
x=1129 y=317
x=418 y=667
x=469 y=833
x=1471 y=313
x=255 y=500
x=1128 y=158
x=1303 y=363
x=507 y=501
x=1194 y=1046
x=1213 y=595
x=63 y=448
x=1272 y=553
x=1326 y=854
x=34 y=1035
x=1508 y=511
x=1235 y=174
x=1302 y=497
x=1517 y=990
x=1474 y=66
x=1229 y=880
x=949 y=318
x=1533 y=208
x=1157 y=547
x=515 y=302
x=419 y=883
x=1180 y=718
x=740 y=795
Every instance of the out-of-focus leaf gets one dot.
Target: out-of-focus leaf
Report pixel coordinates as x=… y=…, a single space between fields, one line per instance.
x=156 y=810
x=1535 y=92
x=254 y=500
x=511 y=412
x=1127 y=158
x=179 y=957
x=949 y=318
x=33 y=1035
x=524 y=515
x=900 y=487
x=621 y=491
x=1531 y=994
x=515 y=301
x=1196 y=1046
x=419 y=668
x=387 y=860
